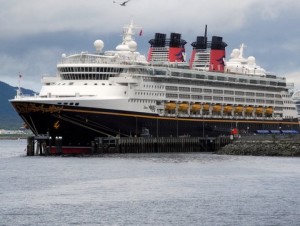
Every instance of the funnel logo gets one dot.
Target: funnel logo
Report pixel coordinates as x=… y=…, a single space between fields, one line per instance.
x=56 y=125
x=221 y=61
x=180 y=56
x=176 y=54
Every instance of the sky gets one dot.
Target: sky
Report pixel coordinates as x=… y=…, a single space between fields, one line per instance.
x=34 y=33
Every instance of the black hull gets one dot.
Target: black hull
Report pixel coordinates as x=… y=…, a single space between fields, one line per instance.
x=79 y=126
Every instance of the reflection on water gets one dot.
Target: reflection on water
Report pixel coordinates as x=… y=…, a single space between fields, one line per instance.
x=156 y=189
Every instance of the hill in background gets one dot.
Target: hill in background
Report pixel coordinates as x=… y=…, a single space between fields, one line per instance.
x=9 y=119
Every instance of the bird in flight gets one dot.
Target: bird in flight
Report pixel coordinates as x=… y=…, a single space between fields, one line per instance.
x=123 y=3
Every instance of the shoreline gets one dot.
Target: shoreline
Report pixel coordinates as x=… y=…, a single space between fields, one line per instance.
x=285 y=146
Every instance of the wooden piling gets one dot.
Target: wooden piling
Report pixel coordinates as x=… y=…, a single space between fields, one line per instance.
x=103 y=145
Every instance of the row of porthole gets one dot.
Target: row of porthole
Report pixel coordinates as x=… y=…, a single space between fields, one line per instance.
x=142 y=101
x=66 y=103
x=153 y=86
x=149 y=94
x=71 y=83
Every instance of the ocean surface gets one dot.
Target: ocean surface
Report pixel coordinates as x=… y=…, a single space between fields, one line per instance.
x=147 y=189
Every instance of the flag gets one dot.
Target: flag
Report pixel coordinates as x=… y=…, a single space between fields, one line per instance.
x=141 y=32
x=20 y=76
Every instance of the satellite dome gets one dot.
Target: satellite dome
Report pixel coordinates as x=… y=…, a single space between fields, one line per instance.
x=63 y=55
x=99 y=44
x=132 y=46
x=251 y=60
x=235 y=53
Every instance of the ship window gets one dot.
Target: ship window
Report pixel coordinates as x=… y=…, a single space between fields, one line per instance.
x=269 y=95
x=65 y=103
x=207 y=98
x=184 y=96
x=197 y=97
x=171 y=88
x=186 y=89
x=218 y=98
x=71 y=104
x=172 y=95
x=95 y=84
x=103 y=84
x=71 y=83
x=243 y=80
x=239 y=99
x=228 y=98
x=260 y=94
x=196 y=90
x=85 y=84
x=218 y=91
x=59 y=103
x=76 y=104
x=239 y=93
x=200 y=76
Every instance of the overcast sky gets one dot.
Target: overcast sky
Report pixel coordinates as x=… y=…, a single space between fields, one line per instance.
x=34 y=33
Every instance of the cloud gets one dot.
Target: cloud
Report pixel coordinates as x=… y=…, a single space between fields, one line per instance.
x=33 y=34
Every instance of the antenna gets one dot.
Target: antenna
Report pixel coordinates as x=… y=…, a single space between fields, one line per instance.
x=19 y=91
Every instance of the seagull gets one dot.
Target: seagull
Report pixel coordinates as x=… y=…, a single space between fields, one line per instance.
x=123 y=3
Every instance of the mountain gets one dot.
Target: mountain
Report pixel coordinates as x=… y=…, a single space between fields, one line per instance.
x=9 y=119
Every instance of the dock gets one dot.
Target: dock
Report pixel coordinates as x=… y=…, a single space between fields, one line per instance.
x=44 y=145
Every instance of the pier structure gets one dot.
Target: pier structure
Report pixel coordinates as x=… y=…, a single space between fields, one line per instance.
x=45 y=145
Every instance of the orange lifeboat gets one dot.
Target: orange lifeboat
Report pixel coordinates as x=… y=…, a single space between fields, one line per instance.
x=183 y=107
x=206 y=107
x=249 y=109
x=170 y=106
x=259 y=110
x=228 y=109
x=217 y=108
x=239 y=109
x=269 y=111
x=195 y=107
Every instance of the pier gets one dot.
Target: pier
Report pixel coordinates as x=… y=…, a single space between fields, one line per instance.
x=44 y=145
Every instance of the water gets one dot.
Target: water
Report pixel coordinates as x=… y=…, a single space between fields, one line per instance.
x=147 y=189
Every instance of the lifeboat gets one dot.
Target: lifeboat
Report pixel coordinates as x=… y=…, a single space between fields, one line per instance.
x=239 y=109
x=269 y=111
x=183 y=107
x=217 y=108
x=195 y=107
x=206 y=107
x=227 y=109
x=170 y=106
x=249 y=110
x=259 y=110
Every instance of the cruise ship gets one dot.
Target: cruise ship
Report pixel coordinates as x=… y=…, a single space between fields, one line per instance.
x=166 y=93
